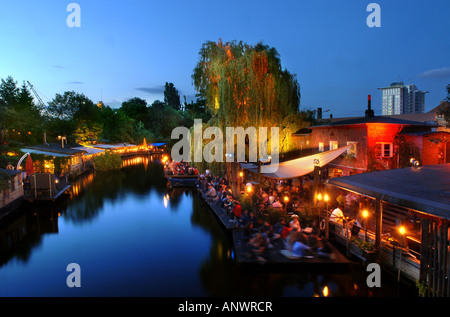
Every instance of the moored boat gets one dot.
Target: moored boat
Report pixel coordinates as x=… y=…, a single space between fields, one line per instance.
x=182 y=180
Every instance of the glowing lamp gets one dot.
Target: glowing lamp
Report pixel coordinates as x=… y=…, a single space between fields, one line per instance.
x=319 y=196
x=326 y=197
x=249 y=189
x=286 y=198
x=402 y=230
x=241 y=174
x=365 y=213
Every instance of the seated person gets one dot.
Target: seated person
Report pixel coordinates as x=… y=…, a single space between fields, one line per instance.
x=277 y=203
x=337 y=215
x=236 y=211
x=211 y=193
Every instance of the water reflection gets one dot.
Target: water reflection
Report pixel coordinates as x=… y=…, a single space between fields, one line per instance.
x=22 y=232
x=136 y=237
x=137 y=176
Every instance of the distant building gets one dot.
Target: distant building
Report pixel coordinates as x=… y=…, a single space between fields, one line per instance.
x=380 y=142
x=402 y=99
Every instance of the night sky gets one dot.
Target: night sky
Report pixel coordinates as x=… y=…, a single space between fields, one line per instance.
x=126 y=49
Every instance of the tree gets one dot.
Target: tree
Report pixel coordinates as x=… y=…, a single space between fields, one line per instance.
x=135 y=108
x=66 y=111
x=72 y=105
x=196 y=110
x=87 y=132
x=245 y=85
x=117 y=126
x=164 y=119
x=171 y=96
x=19 y=115
x=446 y=108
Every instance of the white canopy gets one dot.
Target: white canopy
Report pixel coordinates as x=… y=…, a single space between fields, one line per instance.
x=297 y=167
x=89 y=150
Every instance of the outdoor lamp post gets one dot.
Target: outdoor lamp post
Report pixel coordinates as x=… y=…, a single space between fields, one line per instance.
x=62 y=138
x=286 y=200
x=402 y=232
x=365 y=215
x=414 y=162
x=326 y=198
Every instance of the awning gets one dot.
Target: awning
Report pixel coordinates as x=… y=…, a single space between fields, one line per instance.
x=56 y=154
x=157 y=144
x=113 y=146
x=297 y=167
x=89 y=150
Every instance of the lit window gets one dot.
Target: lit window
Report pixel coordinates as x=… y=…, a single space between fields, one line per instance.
x=352 y=150
x=333 y=145
x=384 y=149
x=321 y=149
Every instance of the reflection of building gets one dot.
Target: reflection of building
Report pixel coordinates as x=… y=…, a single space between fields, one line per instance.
x=11 y=191
x=23 y=231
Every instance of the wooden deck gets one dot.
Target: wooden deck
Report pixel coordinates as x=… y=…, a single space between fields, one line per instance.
x=390 y=253
x=276 y=256
x=44 y=195
x=222 y=216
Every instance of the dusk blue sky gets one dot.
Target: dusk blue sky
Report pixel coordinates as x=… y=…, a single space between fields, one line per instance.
x=126 y=49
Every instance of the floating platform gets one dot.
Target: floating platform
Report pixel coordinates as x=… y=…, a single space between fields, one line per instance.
x=277 y=257
x=182 y=180
x=44 y=195
x=222 y=216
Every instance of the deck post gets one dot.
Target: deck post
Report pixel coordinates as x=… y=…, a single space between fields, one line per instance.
x=379 y=220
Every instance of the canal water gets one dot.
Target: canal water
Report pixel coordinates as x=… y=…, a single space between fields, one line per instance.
x=131 y=236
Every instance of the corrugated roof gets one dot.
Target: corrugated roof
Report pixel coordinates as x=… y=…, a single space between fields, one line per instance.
x=49 y=153
x=10 y=172
x=55 y=149
x=375 y=119
x=89 y=150
x=424 y=189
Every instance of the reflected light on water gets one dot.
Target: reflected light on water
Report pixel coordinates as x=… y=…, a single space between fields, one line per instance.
x=166 y=200
x=325 y=291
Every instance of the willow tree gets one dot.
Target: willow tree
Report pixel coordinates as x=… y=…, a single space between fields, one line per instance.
x=246 y=86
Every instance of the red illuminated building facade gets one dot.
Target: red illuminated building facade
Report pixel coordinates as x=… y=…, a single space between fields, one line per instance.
x=380 y=143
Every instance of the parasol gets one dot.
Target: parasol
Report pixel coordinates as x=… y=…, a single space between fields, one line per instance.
x=29 y=166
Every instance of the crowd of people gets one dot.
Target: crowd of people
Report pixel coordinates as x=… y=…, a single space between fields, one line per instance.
x=259 y=233
x=180 y=168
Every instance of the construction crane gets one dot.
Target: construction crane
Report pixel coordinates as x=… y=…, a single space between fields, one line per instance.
x=36 y=94
x=44 y=107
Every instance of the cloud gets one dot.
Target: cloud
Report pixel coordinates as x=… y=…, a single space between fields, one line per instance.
x=443 y=72
x=152 y=90
x=59 y=66
x=76 y=82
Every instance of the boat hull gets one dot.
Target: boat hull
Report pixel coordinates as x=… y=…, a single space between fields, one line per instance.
x=182 y=181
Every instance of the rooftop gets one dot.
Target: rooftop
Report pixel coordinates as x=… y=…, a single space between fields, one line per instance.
x=424 y=189
x=374 y=119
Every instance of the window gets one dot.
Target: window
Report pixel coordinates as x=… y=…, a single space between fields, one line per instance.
x=352 y=150
x=333 y=145
x=384 y=149
x=321 y=149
